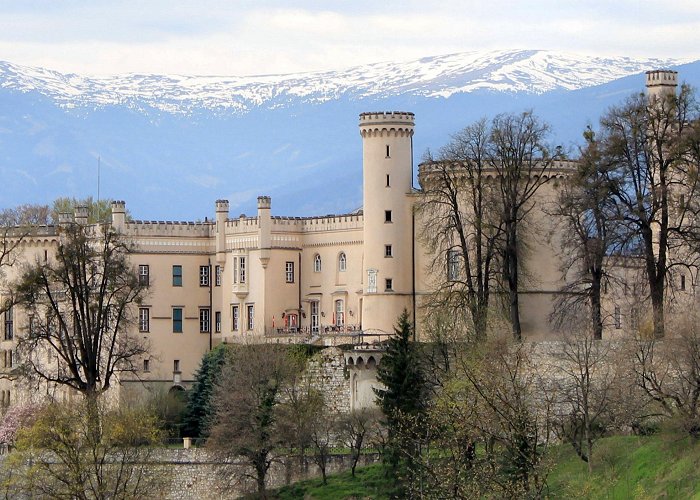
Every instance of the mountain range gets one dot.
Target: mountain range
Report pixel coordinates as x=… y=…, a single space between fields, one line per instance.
x=171 y=144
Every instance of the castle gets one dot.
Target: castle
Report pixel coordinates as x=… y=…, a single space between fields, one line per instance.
x=332 y=279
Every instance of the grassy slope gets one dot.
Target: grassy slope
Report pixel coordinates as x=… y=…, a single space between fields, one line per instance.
x=662 y=466
x=630 y=467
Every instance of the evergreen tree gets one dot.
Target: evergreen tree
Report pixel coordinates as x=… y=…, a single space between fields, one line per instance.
x=199 y=412
x=402 y=399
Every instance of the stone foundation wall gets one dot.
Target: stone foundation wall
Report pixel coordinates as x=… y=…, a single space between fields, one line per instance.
x=328 y=375
x=198 y=475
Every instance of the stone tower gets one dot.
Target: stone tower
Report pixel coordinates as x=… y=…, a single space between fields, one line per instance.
x=661 y=82
x=387 y=167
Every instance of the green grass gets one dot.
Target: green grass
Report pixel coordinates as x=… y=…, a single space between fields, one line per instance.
x=625 y=467
x=659 y=466
x=369 y=483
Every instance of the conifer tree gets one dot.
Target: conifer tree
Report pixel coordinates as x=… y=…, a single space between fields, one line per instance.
x=199 y=412
x=402 y=400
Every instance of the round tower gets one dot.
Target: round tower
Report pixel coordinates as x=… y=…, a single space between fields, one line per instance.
x=661 y=82
x=387 y=167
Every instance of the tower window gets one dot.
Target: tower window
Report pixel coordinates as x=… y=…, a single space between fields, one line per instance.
x=387 y=215
x=682 y=281
x=387 y=181
x=146 y=365
x=388 y=151
x=342 y=262
x=176 y=365
x=289 y=272
x=317 y=263
x=389 y=285
x=388 y=251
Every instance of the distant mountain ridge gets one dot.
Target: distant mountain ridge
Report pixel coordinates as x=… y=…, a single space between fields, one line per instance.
x=171 y=145
x=517 y=71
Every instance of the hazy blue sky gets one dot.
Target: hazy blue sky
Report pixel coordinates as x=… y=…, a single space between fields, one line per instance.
x=258 y=37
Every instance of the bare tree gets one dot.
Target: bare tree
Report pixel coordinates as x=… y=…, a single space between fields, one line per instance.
x=356 y=429
x=585 y=378
x=668 y=372
x=651 y=147
x=520 y=156
x=587 y=215
x=461 y=225
x=247 y=401
x=323 y=435
x=80 y=306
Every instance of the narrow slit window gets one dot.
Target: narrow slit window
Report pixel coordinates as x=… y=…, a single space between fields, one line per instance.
x=388 y=151
x=387 y=181
x=387 y=215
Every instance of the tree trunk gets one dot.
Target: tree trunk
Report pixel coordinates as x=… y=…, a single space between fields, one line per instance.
x=512 y=278
x=657 y=305
x=596 y=316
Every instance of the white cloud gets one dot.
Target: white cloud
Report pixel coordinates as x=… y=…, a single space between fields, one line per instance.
x=244 y=38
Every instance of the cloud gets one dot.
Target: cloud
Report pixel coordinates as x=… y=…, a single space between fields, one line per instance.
x=247 y=37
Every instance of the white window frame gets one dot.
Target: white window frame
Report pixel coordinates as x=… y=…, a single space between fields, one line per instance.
x=339 y=312
x=315 y=307
x=144 y=275
x=204 y=320
x=453 y=266
x=235 y=317
x=250 y=317
x=317 y=263
x=217 y=275
x=204 y=275
x=289 y=271
x=144 y=319
x=342 y=262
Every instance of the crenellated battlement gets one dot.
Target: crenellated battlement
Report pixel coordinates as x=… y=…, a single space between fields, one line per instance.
x=662 y=77
x=559 y=169
x=170 y=228
x=387 y=123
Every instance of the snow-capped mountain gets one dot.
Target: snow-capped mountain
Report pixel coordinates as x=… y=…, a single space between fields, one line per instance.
x=521 y=71
x=171 y=145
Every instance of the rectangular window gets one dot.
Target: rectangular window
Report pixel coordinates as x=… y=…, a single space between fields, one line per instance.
x=388 y=150
x=235 y=270
x=242 y=275
x=389 y=284
x=146 y=365
x=9 y=325
x=217 y=321
x=618 y=318
x=388 y=251
x=144 y=275
x=339 y=313
x=217 y=276
x=204 y=320
x=177 y=319
x=314 y=316
x=176 y=365
x=387 y=181
x=453 y=265
x=289 y=272
x=204 y=275
x=251 y=317
x=144 y=319
x=682 y=281
x=177 y=275
x=235 y=315
x=387 y=215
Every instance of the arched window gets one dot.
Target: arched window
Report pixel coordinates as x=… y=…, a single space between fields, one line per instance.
x=342 y=262
x=317 y=263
